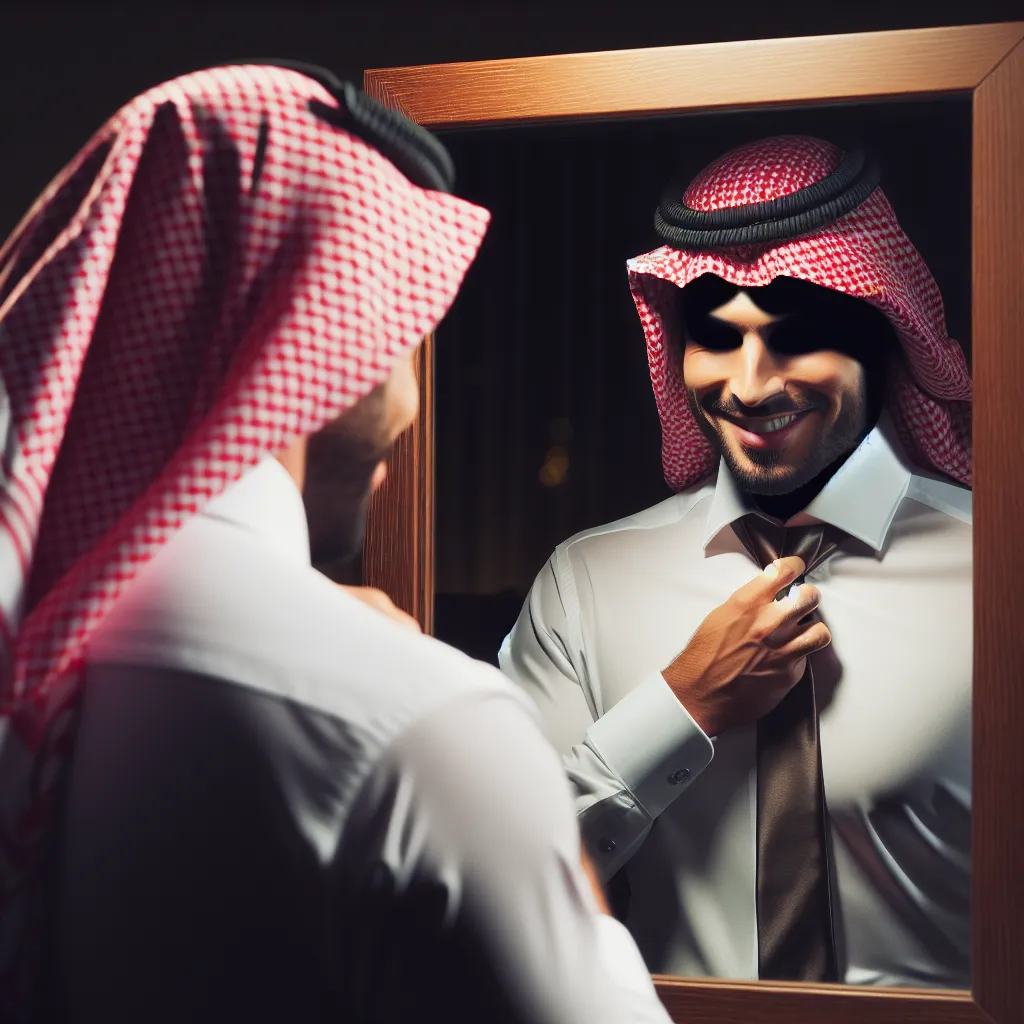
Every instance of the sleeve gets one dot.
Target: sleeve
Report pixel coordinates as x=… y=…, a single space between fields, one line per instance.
x=626 y=764
x=461 y=889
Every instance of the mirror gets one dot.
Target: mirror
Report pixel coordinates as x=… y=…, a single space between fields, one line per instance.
x=968 y=81
x=545 y=426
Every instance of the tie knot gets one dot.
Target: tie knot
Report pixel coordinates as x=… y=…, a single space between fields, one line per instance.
x=765 y=541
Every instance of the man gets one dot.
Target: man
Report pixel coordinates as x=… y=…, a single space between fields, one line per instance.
x=279 y=803
x=795 y=332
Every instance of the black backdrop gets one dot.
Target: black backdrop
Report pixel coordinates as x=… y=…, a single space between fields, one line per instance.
x=545 y=419
x=67 y=66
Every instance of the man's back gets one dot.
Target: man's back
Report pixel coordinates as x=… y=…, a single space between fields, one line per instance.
x=283 y=806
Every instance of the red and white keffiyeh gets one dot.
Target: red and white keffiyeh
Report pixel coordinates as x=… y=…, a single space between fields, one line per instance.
x=864 y=254
x=216 y=273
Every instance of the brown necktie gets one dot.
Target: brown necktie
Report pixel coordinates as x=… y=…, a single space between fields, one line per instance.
x=795 y=937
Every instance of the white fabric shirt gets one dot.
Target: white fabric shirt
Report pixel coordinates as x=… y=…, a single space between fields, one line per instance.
x=284 y=806
x=616 y=604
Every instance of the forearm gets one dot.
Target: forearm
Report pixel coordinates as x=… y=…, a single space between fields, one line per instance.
x=627 y=764
x=635 y=760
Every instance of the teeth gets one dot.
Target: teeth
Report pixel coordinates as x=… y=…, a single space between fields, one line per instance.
x=770 y=426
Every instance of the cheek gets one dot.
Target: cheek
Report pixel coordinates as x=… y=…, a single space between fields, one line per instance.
x=836 y=377
x=704 y=370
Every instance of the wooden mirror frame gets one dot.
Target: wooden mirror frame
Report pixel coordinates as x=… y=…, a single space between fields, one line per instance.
x=986 y=61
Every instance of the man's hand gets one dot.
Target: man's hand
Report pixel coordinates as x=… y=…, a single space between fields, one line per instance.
x=381 y=602
x=595 y=882
x=749 y=652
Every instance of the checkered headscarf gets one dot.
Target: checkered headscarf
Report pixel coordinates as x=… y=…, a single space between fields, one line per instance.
x=217 y=272
x=864 y=254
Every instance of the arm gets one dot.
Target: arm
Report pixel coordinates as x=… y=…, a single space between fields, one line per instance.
x=626 y=764
x=461 y=887
x=630 y=761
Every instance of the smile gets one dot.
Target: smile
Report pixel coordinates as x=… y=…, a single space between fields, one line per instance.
x=770 y=426
x=767 y=433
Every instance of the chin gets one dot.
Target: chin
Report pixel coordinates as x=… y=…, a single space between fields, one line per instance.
x=764 y=475
x=765 y=484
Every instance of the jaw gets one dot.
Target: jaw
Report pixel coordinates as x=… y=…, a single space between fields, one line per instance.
x=761 y=477
x=792 y=471
x=775 y=460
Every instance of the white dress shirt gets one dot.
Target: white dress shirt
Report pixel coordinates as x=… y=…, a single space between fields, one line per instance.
x=616 y=604
x=283 y=806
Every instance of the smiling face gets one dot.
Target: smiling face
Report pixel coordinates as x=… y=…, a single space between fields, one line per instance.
x=783 y=380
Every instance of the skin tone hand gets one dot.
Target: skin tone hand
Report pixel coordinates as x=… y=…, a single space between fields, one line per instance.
x=595 y=883
x=750 y=651
x=380 y=602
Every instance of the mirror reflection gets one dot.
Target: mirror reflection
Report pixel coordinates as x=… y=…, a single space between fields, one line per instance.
x=713 y=514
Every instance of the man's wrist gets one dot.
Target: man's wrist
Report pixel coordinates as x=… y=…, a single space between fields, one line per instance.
x=674 y=749
x=697 y=709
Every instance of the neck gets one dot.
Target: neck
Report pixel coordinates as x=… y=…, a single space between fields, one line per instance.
x=784 y=506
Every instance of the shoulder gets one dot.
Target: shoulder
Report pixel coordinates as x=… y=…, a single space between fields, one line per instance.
x=642 y=535
x=640 y=527
x=666 y=513
x=221 y=604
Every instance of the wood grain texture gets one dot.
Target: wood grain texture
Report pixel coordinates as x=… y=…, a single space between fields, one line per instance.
x=989 y=61
x=399 y=549
x=710 y=76
x=398 y=555
x=755 y=1002
x=998 y=714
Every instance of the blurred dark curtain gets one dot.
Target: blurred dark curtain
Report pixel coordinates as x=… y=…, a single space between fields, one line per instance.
x=545 y=420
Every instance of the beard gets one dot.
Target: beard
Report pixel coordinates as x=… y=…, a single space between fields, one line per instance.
x=340 y=463
x=764 y=472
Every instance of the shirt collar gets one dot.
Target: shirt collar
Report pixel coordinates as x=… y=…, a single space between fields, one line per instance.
x=266 y=501
x=861 y=498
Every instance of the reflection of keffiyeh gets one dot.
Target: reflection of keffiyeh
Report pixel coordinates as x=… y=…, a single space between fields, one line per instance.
x=864 y=254
x=217 y=272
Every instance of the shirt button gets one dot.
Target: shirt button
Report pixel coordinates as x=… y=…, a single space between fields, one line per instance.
x=676 y=777
x=606 y=845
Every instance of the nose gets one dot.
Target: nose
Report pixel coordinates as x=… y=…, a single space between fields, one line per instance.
x=757 y=374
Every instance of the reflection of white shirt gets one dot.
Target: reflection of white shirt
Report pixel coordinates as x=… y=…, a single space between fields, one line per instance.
x=284 y=806
x=614 y=606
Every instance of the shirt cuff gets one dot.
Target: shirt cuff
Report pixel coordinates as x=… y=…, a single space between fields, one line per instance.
x=650 y=741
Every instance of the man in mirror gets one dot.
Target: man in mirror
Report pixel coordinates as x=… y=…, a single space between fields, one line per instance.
x=761 y=686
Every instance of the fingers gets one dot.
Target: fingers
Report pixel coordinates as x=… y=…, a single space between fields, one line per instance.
x=773 y=578
x=380 y=601
x=595 y=883
x=783 y=619
x=374 y=598
x=406 y=620
x=814 y=637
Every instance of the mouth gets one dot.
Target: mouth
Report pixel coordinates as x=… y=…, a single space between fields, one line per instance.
x=765 y=432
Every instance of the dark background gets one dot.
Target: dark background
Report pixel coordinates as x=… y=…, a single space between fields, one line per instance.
x=531 y=370
x=67 y=67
